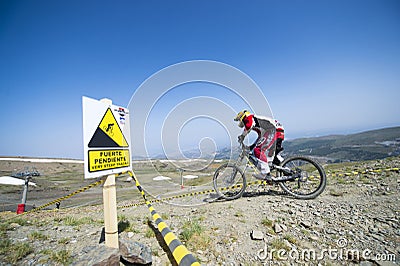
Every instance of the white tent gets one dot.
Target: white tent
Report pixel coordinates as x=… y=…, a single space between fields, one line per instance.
x=161 y=178
x=190 y=176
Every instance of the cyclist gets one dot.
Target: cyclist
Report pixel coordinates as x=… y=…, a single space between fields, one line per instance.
x=270 y=133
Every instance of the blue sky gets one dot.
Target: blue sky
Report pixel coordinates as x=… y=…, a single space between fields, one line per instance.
x=325 y=66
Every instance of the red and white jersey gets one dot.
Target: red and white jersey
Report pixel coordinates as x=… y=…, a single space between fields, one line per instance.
x=262 y=124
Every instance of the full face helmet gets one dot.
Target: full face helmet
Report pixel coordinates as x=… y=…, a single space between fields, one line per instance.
x=240 y=116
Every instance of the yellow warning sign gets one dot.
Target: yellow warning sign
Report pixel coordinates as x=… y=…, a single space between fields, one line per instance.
x=100 y=160
x=106 y=138
x=108 y=133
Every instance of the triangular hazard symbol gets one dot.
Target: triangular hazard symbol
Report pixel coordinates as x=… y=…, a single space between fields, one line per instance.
x=108 y=133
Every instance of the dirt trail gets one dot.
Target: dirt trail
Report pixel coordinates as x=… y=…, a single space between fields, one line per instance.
x=355 y=221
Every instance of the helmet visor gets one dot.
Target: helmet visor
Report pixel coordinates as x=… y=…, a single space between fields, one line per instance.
x=237 y=118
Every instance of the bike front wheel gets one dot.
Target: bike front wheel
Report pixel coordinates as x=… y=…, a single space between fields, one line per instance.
x=229 y=182
x=309 y=178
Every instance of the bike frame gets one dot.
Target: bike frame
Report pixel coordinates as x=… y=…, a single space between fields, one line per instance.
x=288 y=175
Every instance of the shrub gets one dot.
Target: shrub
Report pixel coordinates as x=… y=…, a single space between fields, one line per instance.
x=37 y=236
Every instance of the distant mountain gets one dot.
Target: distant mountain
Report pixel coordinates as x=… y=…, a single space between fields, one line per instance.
x=368 y=145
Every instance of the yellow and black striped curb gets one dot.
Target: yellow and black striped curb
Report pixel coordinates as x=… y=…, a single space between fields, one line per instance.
x=181 y=254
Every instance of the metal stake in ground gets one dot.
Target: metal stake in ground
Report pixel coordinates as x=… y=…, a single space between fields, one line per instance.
x=21 y=207
x=181 y=171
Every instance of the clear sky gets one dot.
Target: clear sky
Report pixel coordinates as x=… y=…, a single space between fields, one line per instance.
x=326 y=67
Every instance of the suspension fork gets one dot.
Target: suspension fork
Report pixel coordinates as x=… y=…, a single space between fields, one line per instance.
x=250 y=163
x=239 y=162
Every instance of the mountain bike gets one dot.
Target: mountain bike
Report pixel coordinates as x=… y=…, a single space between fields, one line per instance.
x=299 y=176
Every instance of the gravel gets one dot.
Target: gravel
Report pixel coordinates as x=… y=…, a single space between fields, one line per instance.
x=355 y=221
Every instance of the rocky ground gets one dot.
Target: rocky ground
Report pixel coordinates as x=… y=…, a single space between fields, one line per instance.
x=355 y=221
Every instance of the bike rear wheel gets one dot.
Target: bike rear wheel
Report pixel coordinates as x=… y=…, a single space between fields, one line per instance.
x=229 y=182
x=310 y=178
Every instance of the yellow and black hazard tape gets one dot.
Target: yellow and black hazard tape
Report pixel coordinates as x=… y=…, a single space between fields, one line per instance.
x=332 y=174
x=99 y=182
x=191 y=194
x=258 y=182
x=181 y=254
x=363 y=172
